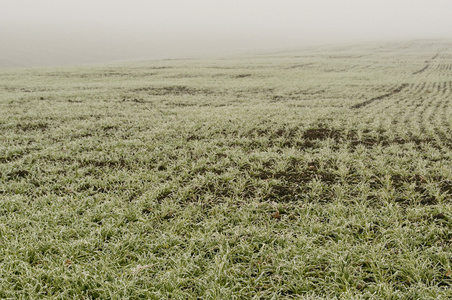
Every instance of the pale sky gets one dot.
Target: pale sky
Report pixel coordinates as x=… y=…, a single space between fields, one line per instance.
x=46 y=32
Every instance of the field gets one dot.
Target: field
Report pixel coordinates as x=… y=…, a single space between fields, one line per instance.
x=323 y=173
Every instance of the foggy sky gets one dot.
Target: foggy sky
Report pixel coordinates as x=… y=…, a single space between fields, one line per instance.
x=53 y=32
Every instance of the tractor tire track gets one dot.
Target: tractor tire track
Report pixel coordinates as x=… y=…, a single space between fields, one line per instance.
x=428 y=62
x=422 y=70
x=381 y=97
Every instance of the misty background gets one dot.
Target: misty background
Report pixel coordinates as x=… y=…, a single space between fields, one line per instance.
x=60 y=32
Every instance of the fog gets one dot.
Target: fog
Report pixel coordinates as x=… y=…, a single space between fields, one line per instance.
x=60 y=32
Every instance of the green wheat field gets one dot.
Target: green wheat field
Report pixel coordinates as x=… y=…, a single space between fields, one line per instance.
x=321 y=173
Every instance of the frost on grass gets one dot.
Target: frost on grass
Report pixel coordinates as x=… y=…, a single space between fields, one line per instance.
x=312 y=175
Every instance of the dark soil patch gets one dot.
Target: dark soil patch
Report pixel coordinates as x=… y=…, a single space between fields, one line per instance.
x=294 y=179
x=446 y=186
x=295 y=95
x=135 y=100
x=296 y=137
x=242 y=76
x=18 y=174
x=173 y=90
x=92 y=188
x=181 y=104
x=398 y=182
x=108 y=128
x=321 y=134
x=11 y=157
x=32 y=126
